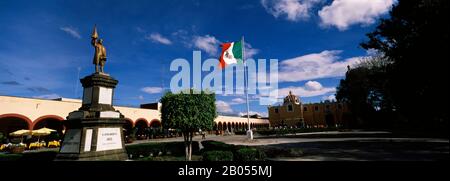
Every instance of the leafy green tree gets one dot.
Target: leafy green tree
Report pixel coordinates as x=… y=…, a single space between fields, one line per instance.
x=364 y=90
x=188 y=112
x=415 y=39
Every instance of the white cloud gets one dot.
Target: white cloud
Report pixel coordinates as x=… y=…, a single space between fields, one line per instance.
x=309 y=89
x=373 y=52
x=152 y=90
x=250 y=51
x=183 y=37
x=237 y=101
x=48 y=96
x=303 y=92
x=325 y=64
x=313 y=86
x=207 y=43
x=294 y=10
x=180 y=33
x=331 y=97
x=158 y=38
x=140 y=30
x=71 y=31
x=223 y=107
x=263 y=114
x=140 y=97
x=344 y=13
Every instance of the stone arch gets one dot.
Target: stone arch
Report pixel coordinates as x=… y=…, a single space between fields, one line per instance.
x=128 y=126
x=155 y=123
x=141 y=125
x=154 y=129
x=39 y=121
x=52 y=122
x=141 y=121
x=13 y=122
x=129 y=122
x=219 y=126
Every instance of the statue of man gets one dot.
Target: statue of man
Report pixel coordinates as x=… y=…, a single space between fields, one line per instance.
x=100 y=51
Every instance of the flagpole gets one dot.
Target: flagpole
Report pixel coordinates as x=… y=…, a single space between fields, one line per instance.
x=249 y=131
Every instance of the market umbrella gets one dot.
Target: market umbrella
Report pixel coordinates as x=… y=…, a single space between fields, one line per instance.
x=42 y=132
x=21 y=132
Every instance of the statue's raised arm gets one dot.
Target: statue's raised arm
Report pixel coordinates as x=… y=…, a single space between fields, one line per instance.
x=100 y=51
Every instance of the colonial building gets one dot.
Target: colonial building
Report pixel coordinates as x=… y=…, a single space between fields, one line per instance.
x=32 y=113
x=293 y=113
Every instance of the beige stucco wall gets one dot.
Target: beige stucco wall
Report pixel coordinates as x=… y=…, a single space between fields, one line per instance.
x=33 y=108
x=231 y=119
x=290 y=118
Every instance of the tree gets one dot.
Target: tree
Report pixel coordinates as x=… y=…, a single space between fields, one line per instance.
x=188 y=112
x=364 y=89
x=416 y=40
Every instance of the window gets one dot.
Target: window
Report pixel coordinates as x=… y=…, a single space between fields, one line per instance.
x=276 y=110
x=290 y=108
x=316 y=108
x=339 y=106
x=305 y=109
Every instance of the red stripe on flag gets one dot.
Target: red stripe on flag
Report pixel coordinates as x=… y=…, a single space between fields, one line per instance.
x=225 y=46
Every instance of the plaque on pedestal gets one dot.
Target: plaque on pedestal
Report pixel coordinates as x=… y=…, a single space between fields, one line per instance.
x=94 y=131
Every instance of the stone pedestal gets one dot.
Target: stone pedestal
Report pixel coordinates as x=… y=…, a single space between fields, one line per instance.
x=94 y=131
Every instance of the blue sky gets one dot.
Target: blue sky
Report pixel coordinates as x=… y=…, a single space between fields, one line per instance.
x=44 y=44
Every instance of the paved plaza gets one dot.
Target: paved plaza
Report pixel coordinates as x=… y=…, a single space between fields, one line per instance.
x=342 y=146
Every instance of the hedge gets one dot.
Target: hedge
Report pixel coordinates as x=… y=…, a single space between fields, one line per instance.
x=215 y=145
x=250 y=154
x=165 y=148
x=218 y=156
x=31 y=156
x=239 y=152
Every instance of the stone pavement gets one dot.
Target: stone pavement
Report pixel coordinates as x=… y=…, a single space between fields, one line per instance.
x=342 y=146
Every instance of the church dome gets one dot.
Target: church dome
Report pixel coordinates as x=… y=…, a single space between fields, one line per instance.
x=291 y=98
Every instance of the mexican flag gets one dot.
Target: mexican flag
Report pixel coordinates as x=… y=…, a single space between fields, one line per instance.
x=231 y=53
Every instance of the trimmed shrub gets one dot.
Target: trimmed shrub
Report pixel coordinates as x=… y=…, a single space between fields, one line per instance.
x=40 y=156
x=218 y=156
x=266 y=132
x=240 y=132
x=249 y=154
x=167 y=148
x=31 y=156
x=178 y=148
x=215 y=145
x=10 y=157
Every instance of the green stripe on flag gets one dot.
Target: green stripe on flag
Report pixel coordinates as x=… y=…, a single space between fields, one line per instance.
x=237 y=51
